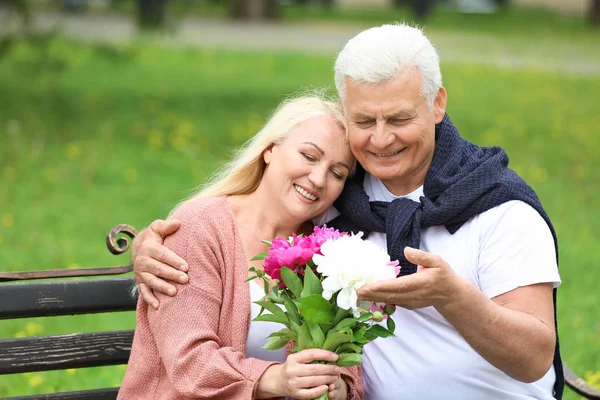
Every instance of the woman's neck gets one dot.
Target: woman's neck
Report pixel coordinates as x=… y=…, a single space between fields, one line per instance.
x=256 y=216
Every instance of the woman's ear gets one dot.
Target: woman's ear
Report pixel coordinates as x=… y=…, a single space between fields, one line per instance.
x=268 y=153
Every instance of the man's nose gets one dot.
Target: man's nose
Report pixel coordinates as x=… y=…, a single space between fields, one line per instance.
x=381 y=136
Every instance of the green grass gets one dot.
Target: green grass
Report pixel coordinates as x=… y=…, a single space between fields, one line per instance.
x=92 y=136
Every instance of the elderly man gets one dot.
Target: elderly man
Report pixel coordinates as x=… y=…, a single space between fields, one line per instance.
x=475 y=316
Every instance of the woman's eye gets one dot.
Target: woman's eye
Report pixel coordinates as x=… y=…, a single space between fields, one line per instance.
x=337 y=176
x=309 y=157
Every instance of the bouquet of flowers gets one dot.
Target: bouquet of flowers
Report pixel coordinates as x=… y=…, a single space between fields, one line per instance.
x=311 y=285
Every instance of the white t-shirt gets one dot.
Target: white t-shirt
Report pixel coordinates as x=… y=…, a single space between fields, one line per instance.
x=498 y=250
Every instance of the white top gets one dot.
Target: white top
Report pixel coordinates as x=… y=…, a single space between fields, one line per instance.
x=259 y=330
x=498 y=250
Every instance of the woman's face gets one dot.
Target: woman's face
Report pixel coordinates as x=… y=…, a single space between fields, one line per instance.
x=307 y=171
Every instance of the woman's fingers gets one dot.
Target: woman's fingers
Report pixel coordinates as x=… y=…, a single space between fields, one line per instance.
x=311 y=393
x=310 y=355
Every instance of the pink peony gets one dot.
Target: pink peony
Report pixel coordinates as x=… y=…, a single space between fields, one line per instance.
x=296 y=252
x=284 y=254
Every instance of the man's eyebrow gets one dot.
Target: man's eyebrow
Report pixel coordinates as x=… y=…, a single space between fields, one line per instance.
x=315 y=146
x=361 y=116
x=399 y=114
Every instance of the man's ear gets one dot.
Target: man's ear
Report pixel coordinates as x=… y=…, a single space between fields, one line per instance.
x=439 y=105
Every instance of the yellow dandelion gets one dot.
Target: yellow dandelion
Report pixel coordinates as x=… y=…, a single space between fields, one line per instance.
x=33 y=328
x=73 y=266
x=72 y=151
x=20 y=334
x=593 y=378
x=71 y=371
x=156 y=140
x=35 y=380
x=538 y=174
x=130 y=175
x=8 y=220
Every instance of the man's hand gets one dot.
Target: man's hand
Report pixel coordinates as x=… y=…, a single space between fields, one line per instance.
x=153 y=261
x=434 y=283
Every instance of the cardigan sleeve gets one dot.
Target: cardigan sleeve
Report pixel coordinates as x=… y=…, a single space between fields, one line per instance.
x=353 y=378
x=185 y=327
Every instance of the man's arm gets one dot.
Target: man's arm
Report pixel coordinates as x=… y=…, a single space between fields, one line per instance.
x=513 y=331
x=154 y=263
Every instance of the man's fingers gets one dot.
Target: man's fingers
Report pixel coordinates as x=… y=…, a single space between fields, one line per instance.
x=158 y=285
x=165 y=228
x=151 y=266
x=159 y=252
x=148 y=296
x=423 y=258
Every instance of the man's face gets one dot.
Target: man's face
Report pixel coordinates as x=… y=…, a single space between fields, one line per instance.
x=391 y=129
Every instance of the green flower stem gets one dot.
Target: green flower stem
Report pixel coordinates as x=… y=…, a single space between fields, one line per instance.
x=324 y=396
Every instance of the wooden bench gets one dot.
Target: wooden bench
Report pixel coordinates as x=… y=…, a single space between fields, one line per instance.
x=87 y=296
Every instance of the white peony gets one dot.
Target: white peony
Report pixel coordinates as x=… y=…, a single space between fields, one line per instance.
x=348 y=263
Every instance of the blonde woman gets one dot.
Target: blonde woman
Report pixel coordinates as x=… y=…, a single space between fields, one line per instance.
x=202 y=343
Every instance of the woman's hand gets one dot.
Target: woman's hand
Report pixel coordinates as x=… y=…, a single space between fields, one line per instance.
x=338 y=390
x=299 y=379
x=153 y=263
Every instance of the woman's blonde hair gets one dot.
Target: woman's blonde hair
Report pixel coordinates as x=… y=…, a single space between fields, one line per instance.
x=243 y=173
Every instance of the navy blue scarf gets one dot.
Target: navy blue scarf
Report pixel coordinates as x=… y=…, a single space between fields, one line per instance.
x=463 y=180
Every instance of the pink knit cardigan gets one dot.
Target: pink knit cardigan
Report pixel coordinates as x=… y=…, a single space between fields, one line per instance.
x=194 y=345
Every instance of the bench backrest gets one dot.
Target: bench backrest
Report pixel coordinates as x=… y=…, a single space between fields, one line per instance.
x=77 y=350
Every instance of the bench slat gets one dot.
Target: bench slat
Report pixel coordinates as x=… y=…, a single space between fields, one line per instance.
x=96 y=394
x=64 y=351
x=67 y=297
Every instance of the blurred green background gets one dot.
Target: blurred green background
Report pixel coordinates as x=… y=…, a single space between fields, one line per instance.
x=102 y=123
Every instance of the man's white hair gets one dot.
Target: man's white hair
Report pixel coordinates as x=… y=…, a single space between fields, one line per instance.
x=382 y=53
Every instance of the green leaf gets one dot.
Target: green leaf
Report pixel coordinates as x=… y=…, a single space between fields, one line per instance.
x=250 y=278
x=276 y=343
x=340 y=313
x=379 y=331
x=283 y=333
x=290 y=306
x=273 y=318
x=349 y=348
x=316 y=309
x=334 y=339
x=268 y=243
x=305 y=338
x=349 y=360
x=391 y=325
x=345 y=323
x=365 y=317
x=312 y=284
x=292 y=281
x=260 y=256
x=359 y=336
x=272 y=308
x=318 y=337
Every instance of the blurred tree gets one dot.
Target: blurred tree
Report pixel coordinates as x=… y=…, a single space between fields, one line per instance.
x=595 y=12
x=254 y=9
x=151 y=13
x=20 y=8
